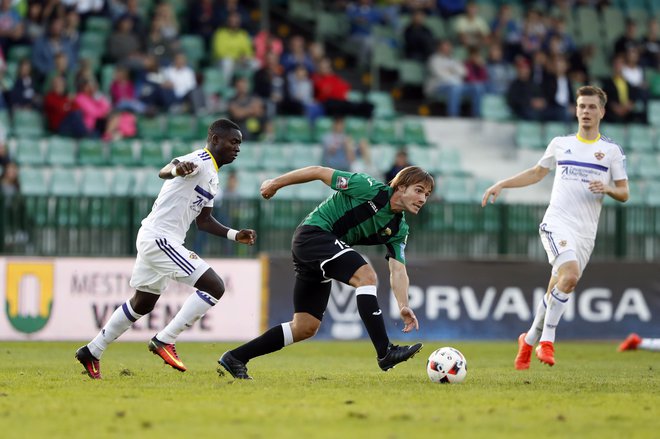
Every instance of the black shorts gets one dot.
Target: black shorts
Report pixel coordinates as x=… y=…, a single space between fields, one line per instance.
x=318 y=257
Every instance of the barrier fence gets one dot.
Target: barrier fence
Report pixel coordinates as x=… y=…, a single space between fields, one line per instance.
x=87 y=226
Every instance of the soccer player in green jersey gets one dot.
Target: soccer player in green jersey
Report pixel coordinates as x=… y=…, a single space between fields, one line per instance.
x=362 y=211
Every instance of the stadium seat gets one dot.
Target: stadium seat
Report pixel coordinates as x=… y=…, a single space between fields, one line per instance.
x=249 y=157
x=302 y=10
x=384 y=131
x=182 y=127
x=653 y=194
x=61 y=151
x=305 y=155
x=588 y=23
x=18 y=52
x=331 y=26
x=414 y=133
x=180 y=149
x=322 y=126
x=495 y=108
x=249 y=183
x=654 y=113
x=64 y=182
x=411 y=73
x=214 y=81
x=28 y=123
x=383 y=104
x=448 y=162
x=554 y=129
x=149 y=184
x=123 y=182
x=640 y=138
x=121 y=153
x=98 y=24
x=107 y=75
x=385 y=56
x=91 y=153
x=648 y=166
x=293 y=129
x=93 y=41
x=354 y=96
x=193 y=47
x=29 y=152
x=616 y=133
x=437 y=26
x=275 y=157
x=4 y=123
x=151 y=128
x=613 y=23
x=529 y=135
x=34 y=181
x=93 y=183
x=357 y=128
x=152 y=153
x=455 y=189
x=313 y=191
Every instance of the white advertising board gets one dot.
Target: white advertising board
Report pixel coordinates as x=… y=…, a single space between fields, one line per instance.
x=71 y=299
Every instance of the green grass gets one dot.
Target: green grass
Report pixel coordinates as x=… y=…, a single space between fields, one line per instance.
x=327 y=390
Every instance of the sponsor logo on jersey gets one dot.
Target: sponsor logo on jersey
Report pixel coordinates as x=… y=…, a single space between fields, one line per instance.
x=342 y=183
x=568 y=151
x=386 y=232
x=562 y=243
x=373 y=206
x=599 y=155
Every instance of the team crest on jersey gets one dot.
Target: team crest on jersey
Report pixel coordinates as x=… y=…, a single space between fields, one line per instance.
x=342 y=183
x=562 y=243
x=193 y=255
x=599 y=155
x=386 y=232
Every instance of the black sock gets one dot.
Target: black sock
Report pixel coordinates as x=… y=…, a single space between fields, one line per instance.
x=270 y=341
x=372 y=316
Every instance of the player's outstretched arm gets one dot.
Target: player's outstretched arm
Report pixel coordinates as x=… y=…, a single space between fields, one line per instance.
x=176 y=169
x=399 y=282
x=207 y=223
x=303 y=175
x=525 y=178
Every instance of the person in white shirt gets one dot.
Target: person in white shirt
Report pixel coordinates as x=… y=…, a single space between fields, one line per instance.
x=187 y=194
x=180 y=78
x=589 y=167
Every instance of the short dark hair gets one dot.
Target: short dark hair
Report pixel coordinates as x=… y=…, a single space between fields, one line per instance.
x=590 y=90
x=412 y=175
x=220 y=127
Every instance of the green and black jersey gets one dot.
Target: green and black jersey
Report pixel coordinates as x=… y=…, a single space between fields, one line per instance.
x=359 y=213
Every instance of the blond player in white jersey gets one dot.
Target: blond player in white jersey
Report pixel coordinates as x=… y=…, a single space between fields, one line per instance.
x=186 y=196
x=589 y=167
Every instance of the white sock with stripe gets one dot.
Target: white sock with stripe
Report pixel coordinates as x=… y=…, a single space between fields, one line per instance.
x=195 y=306
x=556 y=307
x=119 y=322
x=650 y=344
x=537 y=325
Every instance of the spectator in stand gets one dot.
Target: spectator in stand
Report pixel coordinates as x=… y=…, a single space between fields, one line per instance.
x=625 y=103
x=158 y=45
x=34 y=22
x=558 y=91
x=451 y=8
x=651 y=45
x=232 y=47
x=247 y=110
x=266 y=43
x=476 y=78
x=269 y=85
x=204 y=17
x=362 y=17
x=9 y=182
x=151 y=89
x=170 y=25
x=297 y=55
x=338 y=147
x=122 y=92
x=418 y=38
x=301 y=91
x=96 y=112
x=500 y=73
x=124 y=44
x=412 y=6
x=23 y=93
x=632 y=72
x=62 y=115
x=47 y=47
x=316 y=51
x=70 y=30
x=525 y=97
x=579 y=65
x=181 y=78
x=629 y=39
x=400 y=162
x=132 y=12
x=446 y=79
x=507 y=30
x=539 y=66
x=84 y=73
x=534 y=33
x=229 y=7
x=472 y=29
x=330 y=90
x=12 y=28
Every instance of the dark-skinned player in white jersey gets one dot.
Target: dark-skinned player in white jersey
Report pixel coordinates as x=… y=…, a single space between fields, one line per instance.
x=186 y=196
x=362 y=211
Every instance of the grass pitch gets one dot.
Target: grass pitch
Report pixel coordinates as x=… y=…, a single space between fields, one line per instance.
x=328 y=390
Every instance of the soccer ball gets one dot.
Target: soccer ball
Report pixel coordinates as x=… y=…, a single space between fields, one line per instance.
x=446 y=365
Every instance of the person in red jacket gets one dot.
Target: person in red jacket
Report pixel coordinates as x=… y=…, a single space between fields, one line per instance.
x=62 y=113
x=330 y=90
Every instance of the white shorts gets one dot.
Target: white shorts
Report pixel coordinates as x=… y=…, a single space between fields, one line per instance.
x=158 y=261
x=562 y=245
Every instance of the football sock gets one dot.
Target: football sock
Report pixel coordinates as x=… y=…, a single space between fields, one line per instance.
x=372 y=316
x=119 y=322
x=195 y=306
x=537 y=325
x=650 y=344
x=270 y=341
x=556 y=307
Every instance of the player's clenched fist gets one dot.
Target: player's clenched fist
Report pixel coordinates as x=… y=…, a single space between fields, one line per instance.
x=246 y=236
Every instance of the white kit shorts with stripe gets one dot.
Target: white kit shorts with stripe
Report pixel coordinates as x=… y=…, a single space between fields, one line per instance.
x=562 y=245
x=158 y=261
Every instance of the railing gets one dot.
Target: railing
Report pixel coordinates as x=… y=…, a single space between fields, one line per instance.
x=65 y=226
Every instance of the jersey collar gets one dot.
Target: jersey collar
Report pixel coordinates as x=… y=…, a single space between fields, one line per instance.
x=583 y=140
x=213 y=159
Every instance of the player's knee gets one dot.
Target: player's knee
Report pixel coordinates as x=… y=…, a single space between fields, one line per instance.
x=142 y=304
x=364 y=276
x=218 y=289
x=568 y=282
x=303 y=329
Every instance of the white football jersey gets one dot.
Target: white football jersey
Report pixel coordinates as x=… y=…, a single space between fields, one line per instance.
x=181 y=199
x=579 y=161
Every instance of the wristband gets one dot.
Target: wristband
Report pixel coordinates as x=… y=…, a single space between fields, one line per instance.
x=174 y=174
x=231 y=234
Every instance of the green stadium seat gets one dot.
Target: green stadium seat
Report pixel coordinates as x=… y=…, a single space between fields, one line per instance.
x=193 y=47
x=151 y=128
x=653 y=194
x=613 y=23
x=383 y=156
x=412 y=73
x=456 y=189
x=495 y=108
x=93 y=41
x=19 y=52
x=302 y=10
x=121 y=153
x=149 y=184
x=616 y=133
x=249 y=157
x=64 y=182
x=385 y=56
x=249 y=184
x=275 y=157
x=91 y=152
x=152 y=153
x=33 y=181
x=322 y=126
x=414 y=133
x=214 y=81
x=555 y=129
x=588 y=22
x=293 y=129
x=4 y=123
x=180 y=149
x=357 y=128
x=383 y=104
x=313 y=191
x=448 y=162
x=28 y=123
x=29 y=152
x=654 y=114
x=93 y=183
x=438 y=27
x=384 y=131
x=123 y=182
x=648 y=166
x=331 y=26
x=355 y=96
x=424 y=157
x=107 y=75
x=61 y=151
x=529 y=135
x=640 y=138
x=305 y=155
x=182 y=127
x=98 y=25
